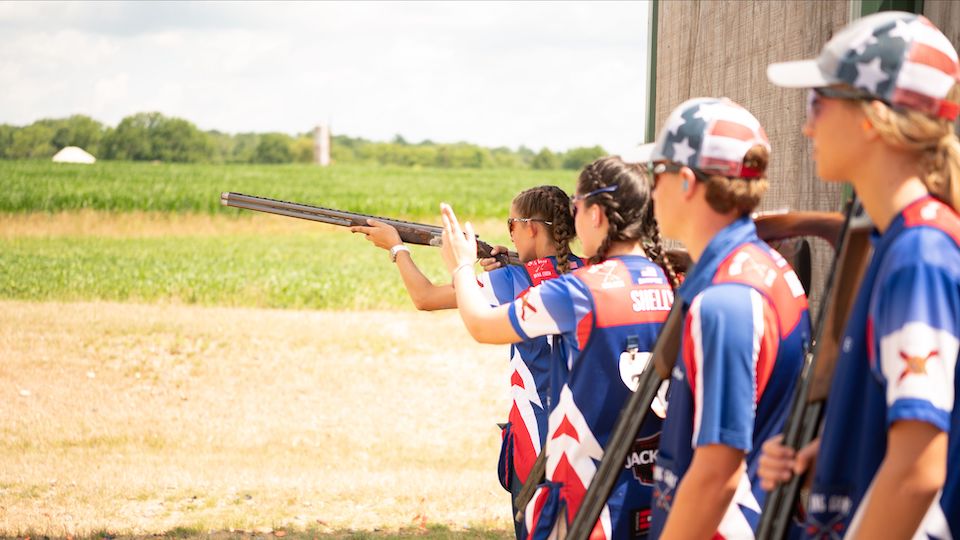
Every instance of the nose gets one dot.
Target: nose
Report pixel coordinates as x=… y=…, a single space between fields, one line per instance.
x=807 y=128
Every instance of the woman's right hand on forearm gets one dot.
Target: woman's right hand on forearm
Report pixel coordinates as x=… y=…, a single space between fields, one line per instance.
x=380 y=234
x=778 y=463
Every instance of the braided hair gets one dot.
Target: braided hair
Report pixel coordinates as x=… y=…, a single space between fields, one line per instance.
x=552 y=204
x=629 y=208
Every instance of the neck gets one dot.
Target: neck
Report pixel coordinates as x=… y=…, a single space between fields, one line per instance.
x=702 y=230
x=625 y=247
x=887 y=185
x=545 y=247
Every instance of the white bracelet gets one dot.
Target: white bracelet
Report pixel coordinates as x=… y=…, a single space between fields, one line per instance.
x=453 y=274
x=395 y=250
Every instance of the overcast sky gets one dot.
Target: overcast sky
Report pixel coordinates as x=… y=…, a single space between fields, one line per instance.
x=494 y=73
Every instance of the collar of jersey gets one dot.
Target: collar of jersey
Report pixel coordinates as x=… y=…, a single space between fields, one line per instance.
x=701 y=274
x=882 y=241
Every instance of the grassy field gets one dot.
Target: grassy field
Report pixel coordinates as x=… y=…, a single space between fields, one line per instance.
x=41 y=186
x=145 y=389
x=157 y=233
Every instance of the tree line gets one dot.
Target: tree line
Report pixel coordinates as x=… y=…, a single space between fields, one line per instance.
x=152 y=136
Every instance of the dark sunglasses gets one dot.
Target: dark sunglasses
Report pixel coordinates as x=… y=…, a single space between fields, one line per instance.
x=814 y=105
x=511 y=221
x=577 y=198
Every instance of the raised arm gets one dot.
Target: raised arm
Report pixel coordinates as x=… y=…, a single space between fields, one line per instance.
x=485 y=323
x=425 y=294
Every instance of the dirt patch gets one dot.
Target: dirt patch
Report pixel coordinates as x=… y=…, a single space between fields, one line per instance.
x=140 y=419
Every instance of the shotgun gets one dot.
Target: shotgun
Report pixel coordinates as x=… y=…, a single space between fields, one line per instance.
x=411 y=233
x=776 y=227
x=806 y=410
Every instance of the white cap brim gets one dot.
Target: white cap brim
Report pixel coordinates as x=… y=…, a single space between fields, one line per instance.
x=640 y=154
x=798 y=74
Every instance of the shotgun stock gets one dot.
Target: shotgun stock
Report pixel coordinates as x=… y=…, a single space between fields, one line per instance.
x=806 y=410
x=411 y=233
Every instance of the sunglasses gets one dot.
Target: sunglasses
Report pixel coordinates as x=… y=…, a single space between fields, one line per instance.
x=656 y=168
x=815 y=105
x=577 y=198
x=511 y=221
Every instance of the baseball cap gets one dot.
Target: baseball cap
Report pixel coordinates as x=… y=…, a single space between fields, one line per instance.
x=638 y=154
x=896 y=57
x=711 y=135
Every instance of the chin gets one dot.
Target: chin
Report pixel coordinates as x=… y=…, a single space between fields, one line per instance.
x=830 y=176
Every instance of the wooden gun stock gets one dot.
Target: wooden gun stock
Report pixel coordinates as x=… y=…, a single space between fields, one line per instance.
x=411 y=233
x=806 y=410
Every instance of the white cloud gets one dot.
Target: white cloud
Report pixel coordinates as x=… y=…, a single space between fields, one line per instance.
x=504 y=73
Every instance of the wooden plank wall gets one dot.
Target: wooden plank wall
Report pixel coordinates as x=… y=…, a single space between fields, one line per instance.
x=722 y=49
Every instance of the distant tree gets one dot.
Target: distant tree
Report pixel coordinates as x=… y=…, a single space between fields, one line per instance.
x=342 y=154
x=303 y=150
x=33 y=141
x=131 y=139
x=244 y=147
x=78 y=130
x=577 y=158
x=504 y=158
x=398 y=139
x=545 y=159
x=177 y=140
x=6 y=139
x=153 y=136
x=222 y=145
x=273 y=148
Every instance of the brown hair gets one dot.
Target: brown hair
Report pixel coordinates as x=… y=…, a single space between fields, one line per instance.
x=629 y=208
x=552 y=204
x=740 y=194
x=933 y=139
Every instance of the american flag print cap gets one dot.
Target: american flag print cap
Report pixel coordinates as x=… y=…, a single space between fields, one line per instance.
x=899 y=58
x=711 y=135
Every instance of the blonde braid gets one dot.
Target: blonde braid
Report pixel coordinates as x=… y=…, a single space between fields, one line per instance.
x=933 y=139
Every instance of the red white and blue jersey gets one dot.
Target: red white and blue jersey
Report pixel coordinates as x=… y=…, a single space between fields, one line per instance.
x=745 y=326
x=530 y=368
x=898 y=361
x=608 y=315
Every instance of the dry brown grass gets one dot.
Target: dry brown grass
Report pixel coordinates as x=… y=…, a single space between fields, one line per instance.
x=140 y=419
x=157 y=224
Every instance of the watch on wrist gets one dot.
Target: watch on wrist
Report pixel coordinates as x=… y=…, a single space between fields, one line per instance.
x=395 y=250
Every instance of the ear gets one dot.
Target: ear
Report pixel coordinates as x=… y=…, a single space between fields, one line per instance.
x=597 y=216
x=688 y=179
x=881 y=111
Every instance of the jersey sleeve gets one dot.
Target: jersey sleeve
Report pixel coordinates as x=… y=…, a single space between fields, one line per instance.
x=916 y=322
x=725 y=331
x=549 y=308
x=497 y=286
